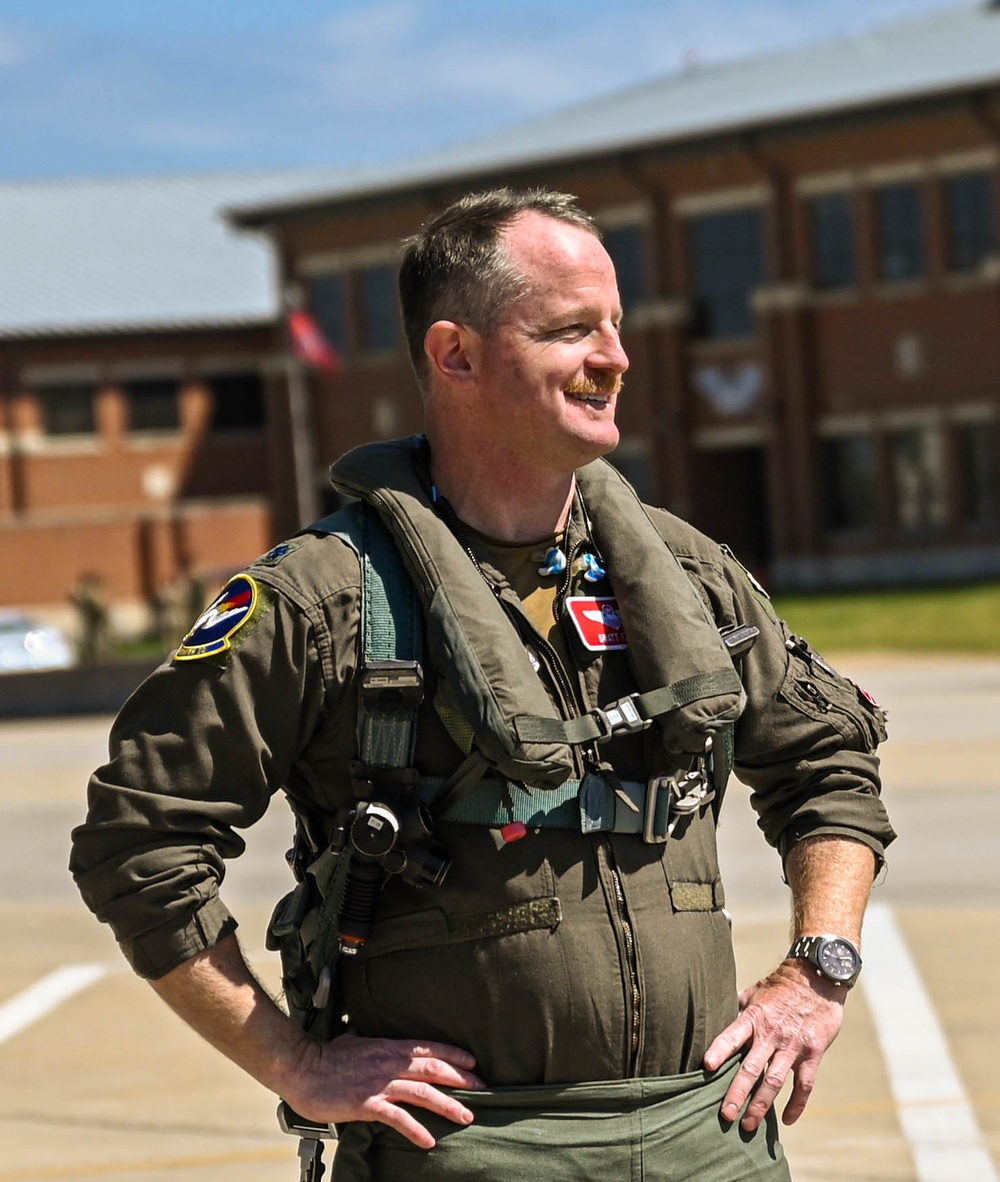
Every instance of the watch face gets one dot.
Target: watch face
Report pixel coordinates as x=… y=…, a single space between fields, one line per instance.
x=838 y=959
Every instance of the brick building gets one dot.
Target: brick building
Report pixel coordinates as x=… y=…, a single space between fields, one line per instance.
x=141 y=378
x=808 y=257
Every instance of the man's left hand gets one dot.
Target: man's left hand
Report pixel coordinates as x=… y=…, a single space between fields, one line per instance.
x=786 y=1021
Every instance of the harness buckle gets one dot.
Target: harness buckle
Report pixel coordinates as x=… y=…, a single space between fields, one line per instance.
x=620 y=718
x=392 y=685
x=687 y=790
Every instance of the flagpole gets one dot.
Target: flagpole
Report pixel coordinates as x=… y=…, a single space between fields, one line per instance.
x=303 y=454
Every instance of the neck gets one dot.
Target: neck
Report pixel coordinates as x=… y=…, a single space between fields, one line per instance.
x=504 y=501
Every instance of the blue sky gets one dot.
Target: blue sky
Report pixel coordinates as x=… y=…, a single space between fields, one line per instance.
x=120 y=87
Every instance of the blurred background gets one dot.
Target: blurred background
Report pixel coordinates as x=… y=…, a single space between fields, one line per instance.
x=200 y=210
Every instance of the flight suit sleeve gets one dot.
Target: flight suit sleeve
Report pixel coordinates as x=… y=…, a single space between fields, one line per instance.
x=195 y=756
x=806 y=742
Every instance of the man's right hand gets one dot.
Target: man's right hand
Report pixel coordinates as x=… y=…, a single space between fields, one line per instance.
x=353 y=1078
x=350 y=1078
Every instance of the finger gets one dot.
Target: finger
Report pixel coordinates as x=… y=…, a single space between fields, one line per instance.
x=805 y=1081
x=385 y=1108
x=407 y=1125
x=440 y=1072
x=736 y=1035
x=748 y=1080
x=456 y=1056
x=770 y=1083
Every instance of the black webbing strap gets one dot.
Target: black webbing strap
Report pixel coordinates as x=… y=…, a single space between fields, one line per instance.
x=627 y=715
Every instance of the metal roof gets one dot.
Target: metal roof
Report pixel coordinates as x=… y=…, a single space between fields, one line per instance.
x=150 y=253
x=957 y=48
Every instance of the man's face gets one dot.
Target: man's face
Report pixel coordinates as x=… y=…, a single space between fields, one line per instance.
x=549 y=376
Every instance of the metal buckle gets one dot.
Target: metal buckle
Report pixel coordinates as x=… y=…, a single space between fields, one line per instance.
x=392 y=685
x=653 y=789
x=621 y=717
x=686 y=790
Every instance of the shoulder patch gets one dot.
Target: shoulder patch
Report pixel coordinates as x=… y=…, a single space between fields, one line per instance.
x=226 y=614
x=277 y=553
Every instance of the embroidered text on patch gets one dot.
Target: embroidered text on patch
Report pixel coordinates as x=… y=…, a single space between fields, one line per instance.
x=228 y=612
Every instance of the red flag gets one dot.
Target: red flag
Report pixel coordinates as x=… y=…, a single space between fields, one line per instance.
x=309 y=344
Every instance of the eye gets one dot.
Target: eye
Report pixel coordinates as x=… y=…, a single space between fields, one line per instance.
x=573 y=330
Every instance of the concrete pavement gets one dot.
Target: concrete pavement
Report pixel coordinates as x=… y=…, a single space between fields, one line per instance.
x=109 y=1084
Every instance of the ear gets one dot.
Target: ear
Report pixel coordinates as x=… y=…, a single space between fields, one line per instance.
x=452 y=352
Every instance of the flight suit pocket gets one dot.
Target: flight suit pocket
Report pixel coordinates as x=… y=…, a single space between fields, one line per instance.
x=814 y=688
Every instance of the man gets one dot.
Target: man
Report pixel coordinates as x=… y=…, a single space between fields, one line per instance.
x=568 y=989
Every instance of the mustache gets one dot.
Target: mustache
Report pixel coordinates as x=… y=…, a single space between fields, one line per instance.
x=606 y=384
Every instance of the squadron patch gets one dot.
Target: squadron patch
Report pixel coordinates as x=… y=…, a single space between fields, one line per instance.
x=225 y=615
x=598 y=622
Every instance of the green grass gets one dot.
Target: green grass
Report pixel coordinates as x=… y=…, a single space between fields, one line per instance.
x=928 y=619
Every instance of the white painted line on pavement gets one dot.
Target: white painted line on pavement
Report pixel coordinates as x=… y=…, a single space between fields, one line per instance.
x=45 y=995
x=934 y=1110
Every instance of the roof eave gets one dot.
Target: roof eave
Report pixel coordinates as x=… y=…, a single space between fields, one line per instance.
x=262 y=216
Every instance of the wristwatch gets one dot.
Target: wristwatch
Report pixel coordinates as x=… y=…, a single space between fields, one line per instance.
x=833 y=957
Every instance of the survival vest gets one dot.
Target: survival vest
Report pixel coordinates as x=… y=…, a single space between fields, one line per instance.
x=686 y=679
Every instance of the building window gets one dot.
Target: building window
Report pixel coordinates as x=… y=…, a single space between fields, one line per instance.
x=831 y=222
x=899 y=214
x=379 y=316
x=68 y=410
x=917 y=459
x=237 y=402
x=849 y=463
x=970 y=225
x=153 y=405
x=328 y=304
x=627 y=247
x=727 y=262
x=977 y=473
x=634 y=466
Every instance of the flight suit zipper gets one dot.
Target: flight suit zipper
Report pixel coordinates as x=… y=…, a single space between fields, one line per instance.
x=633 y=995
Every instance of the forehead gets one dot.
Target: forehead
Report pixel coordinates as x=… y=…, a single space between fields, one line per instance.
x=550 y=252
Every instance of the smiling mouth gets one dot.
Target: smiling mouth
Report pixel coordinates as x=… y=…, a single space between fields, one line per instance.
x=590 y=399
x=593 y=392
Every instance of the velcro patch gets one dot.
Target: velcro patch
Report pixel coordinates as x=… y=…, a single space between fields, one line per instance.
x=280 y=552
x=225 y=615
x=692 y=896
x=531 y=916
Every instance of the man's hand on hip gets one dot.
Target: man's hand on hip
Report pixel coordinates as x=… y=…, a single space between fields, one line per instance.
x=353 y=1078
x=786 y=1022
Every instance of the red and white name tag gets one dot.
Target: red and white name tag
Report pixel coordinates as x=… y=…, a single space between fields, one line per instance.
x=598 y=622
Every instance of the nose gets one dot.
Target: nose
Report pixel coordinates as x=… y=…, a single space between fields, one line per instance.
x=608 y=353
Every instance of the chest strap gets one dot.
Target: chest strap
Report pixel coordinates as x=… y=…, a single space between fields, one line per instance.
x=589 y=805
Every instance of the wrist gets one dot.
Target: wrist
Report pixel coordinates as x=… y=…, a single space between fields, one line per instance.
x=831 y=957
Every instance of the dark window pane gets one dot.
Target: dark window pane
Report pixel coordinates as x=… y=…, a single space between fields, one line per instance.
x=328 y=303
x=237 y=402
x=899 y=210
x=832 y=224
x=153 y=405
x=977 y=475
x=970 y=223
x=378 y=307
x=918 y=477
x=727 y=260
x=68 y=410
x=635 y=469
x=849 y=463
x=627 y=247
